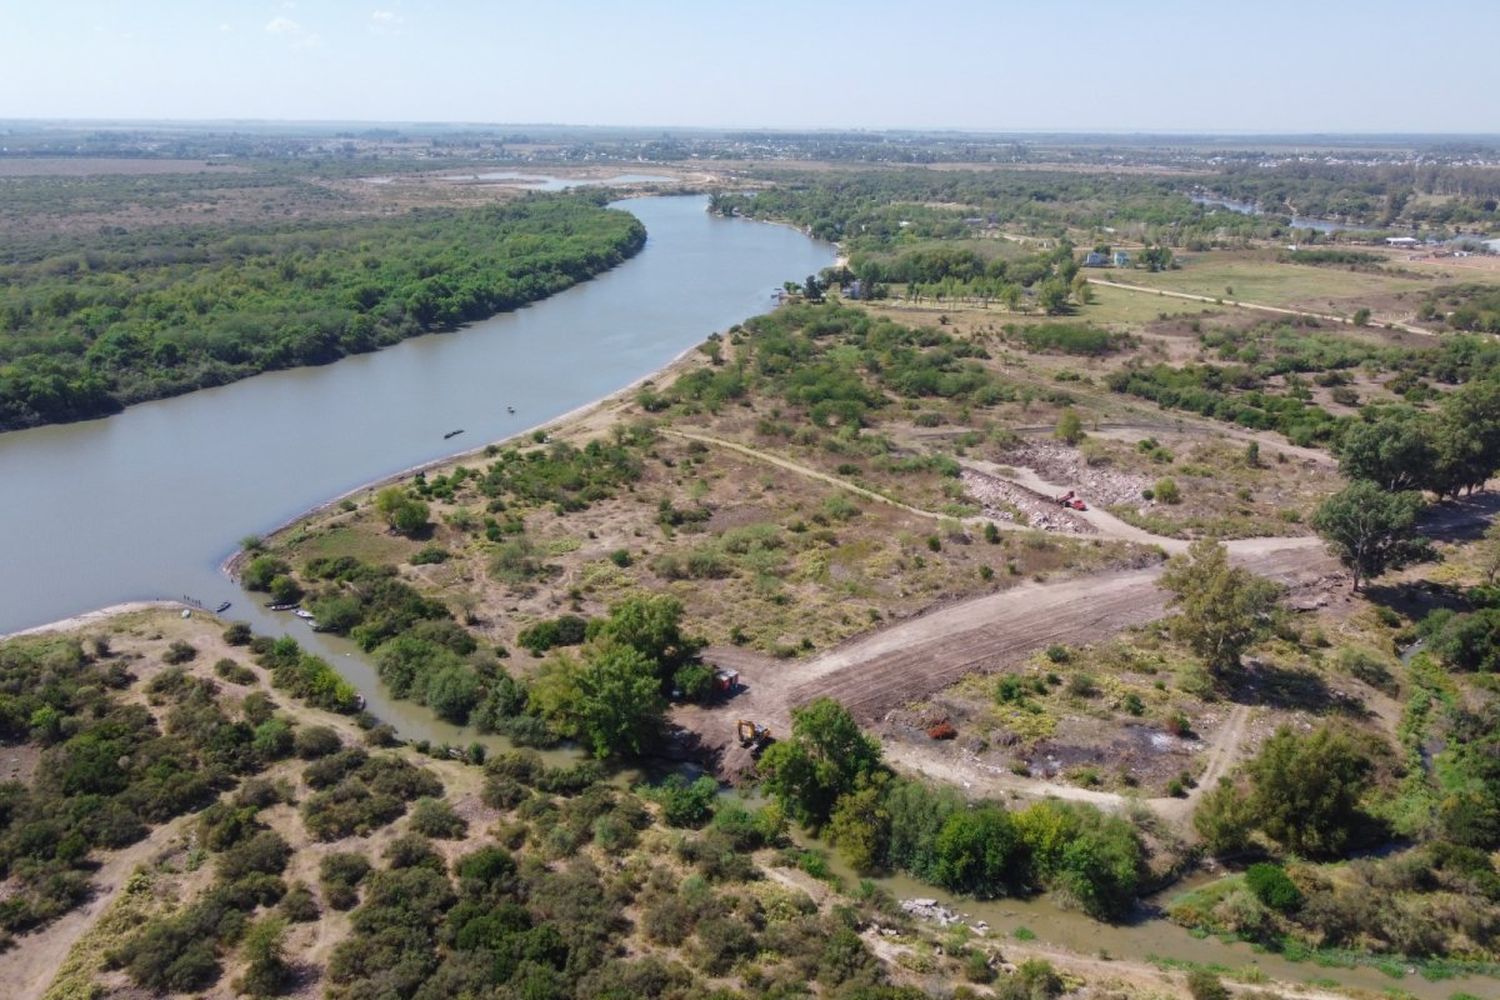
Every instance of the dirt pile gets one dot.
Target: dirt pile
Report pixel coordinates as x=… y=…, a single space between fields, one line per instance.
x=1058 y=463
x=1000 y=501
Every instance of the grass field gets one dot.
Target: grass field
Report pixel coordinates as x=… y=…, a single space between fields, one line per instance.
x=1256 y=276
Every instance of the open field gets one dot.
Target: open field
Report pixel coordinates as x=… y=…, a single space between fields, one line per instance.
x=1256 y=276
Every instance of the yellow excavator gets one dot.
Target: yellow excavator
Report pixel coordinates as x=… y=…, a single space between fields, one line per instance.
x=753 y=735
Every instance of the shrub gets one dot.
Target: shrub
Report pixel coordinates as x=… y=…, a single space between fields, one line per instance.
x=1204 y=985
x=683 y=803
x=313 y=742
x=238 y=634
x=339 y=874
x=1273 y=887
x=1166 y=491
x=179 y=652
x=234 y=673
x=436 y=818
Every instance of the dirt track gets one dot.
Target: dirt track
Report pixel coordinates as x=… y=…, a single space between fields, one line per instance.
x=913 y=659
x=1281 y=310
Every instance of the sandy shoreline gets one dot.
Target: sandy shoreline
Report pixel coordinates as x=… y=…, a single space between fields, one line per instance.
x=87 y=618
x=231 y=565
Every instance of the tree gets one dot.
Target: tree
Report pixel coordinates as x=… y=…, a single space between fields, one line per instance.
x=1222 y=610
x=1069 y=426
x=620 y=706
x=860 y=826
x=652 y=625
x=1361 y=317
x=812 y=288
x=1395 y=451
x=1468 y=436
x=1156 y=258
x=1052 y=296
x=1305 y=790
x=824 y=757
x=979 y=852
x=1368 y=529
x=406 y=515
x=1223 y=819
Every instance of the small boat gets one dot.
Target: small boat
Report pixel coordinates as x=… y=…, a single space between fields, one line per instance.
x=221 y=608
x=510 y=409
x=453 y=434
x=281 y=607
x=303 y=614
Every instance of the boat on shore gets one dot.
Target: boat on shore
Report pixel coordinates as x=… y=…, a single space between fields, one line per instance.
x=303 y=613
x=281 y=607
x=221 y=608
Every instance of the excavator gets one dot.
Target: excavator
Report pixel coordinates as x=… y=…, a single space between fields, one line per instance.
x=753 y=735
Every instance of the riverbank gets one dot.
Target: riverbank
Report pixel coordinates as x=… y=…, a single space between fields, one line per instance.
x=99 y=616
x=594 y=416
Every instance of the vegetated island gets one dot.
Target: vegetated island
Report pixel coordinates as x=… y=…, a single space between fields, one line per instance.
x=138 y=314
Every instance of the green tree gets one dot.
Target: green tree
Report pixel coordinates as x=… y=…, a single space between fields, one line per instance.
x=1052 y=296
x=1156 y=258
x=651 y=624
x=405 y=514
x=1395 y=451
x=1368 y=529
x=823 y=758
x=1468 y=436
x=620 y=707
x=1305 y=790
x=1223 y=819
x=979 y=852
x=1069 y=426
x=860 y=826
x=1362 y=317
x=1222 y=610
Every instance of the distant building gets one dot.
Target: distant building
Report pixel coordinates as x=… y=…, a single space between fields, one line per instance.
x=1095 y=259
x=1401 y=241
x=1122 y=259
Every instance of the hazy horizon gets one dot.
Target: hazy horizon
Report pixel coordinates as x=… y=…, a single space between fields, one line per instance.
x=1076 y=66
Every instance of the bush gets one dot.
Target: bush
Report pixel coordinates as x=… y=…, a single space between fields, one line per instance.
x=683 y=803
x=313 y=742
x=1166 y=491
x=1204 y=985
x=238 y=634
x=234 y=673
x=339 y=874
x=1273 y=887
x=179 y=652
x=436 y=818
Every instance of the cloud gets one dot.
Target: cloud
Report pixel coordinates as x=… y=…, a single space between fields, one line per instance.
x=386 y=22
x=295 y=34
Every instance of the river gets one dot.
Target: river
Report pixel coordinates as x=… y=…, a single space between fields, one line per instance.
x=149 y=503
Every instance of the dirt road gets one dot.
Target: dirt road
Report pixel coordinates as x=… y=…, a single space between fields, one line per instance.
x=27 y=969
x=1220 y=300
x=883 y=670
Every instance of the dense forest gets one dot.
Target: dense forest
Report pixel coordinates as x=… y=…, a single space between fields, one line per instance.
x=153 y=313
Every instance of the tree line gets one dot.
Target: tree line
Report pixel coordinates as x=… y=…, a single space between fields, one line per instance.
x=156 y=314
